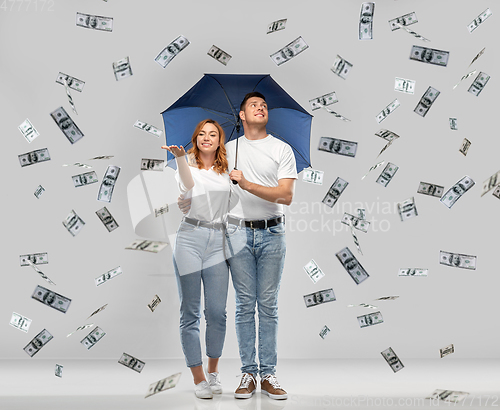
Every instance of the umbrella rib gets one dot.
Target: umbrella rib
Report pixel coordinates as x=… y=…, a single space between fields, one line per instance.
x=296 y=150
x=227 y=98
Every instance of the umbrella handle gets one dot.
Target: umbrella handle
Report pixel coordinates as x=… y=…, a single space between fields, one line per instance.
x=233 y=181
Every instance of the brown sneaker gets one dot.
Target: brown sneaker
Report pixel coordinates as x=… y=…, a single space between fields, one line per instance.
x=269 y=385
x=246 y=388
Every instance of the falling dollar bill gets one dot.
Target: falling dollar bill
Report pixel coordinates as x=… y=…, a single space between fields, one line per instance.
x=313 y=271
x=382 y=115
x=478 y=20
x=426 y=101
x=464 y=77
x=161 y=210
x=341 y=67
x=387 y=298
x=334 y=192
x=40 y=340
x=219 y=55
x=39 y=191
x=51 y=299
x=169 y=52
x=107 y=219
x=122 y=68
x=93 y=337
x=491 y=183
x=430 y=189
x=58 y=370
x=29 y=132
x=20 y=322
x=108 y=276
x=98 y=310
x=370 y=319
x=154 y=303
x=365 y=305
x=429 y=55
x=479 y=83
x=148 y=128
x=352 y=266
x=413 y=33
x=457 y=260
x=413 y=272
x=73 y=223
x=336 y=115
x=66 y=125
x=359 y=224
x=405 y=20
x=94 y=22
x=453 y=124
x=43 y=275
x=276 y=26
x=81 y=328
x=78 y=164
x=72 y=82
x=445 y=351
x=496 y=192
x=102 y=157
x=147 y=246
x=366 y=21
x=324 y=332
x=456 y=191
x=131 y=362
x=389 y=136
x=320 y=297
x=84 y=179
x=392 y=359
x=372 y=168
x=34 y=258
x=407 y=209
x=464 y=148
x=34 y=157
x=477 y=56
x=404 y=86
x=163 y=384
x=449 y=396
x=289 y=51
x=323 y=101
x=312 y=176
x=108 y=183
x=337 y=146
x=152 y=164
x=387 y=174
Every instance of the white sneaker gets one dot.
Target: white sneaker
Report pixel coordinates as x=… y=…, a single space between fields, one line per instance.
x=202 y=390
x=214 y=382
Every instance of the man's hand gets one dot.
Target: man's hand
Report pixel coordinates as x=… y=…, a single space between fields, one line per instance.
x=238 y=176
x=184 y=204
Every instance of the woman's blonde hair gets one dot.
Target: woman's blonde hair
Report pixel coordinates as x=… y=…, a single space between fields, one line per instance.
x=220 y=163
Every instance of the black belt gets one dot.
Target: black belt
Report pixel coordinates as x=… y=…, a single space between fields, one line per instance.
x=263 y=224
x=204 y=224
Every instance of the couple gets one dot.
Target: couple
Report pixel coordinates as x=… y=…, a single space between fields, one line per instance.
x=244 y=222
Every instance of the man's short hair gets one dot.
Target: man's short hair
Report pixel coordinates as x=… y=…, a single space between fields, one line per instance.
x=250 y=95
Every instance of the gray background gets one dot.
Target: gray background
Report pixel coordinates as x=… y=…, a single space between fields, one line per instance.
x=449 y=306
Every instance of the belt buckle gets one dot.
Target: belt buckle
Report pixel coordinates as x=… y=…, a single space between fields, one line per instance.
x=251 y=225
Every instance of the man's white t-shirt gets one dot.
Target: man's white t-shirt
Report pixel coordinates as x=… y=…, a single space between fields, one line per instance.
x=263 y=162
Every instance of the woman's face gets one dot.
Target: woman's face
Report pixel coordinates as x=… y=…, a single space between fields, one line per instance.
x=208 y=139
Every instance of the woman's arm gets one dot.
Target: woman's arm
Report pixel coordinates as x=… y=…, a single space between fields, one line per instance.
x=182 y=165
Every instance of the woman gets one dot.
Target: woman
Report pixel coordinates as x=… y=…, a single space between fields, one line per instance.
x=198 y=253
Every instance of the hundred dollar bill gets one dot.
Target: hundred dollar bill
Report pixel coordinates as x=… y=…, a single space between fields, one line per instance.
x=445 y=351
x=370 y=319
x=341 y=67
x=464 y=77
x=479 y=83
x=449 y=396
x=40 y=340
x=429 y=55
x=39 y=191
x=108 y=183
x=456 y=191
x=465 y=146
x=122 y=68
x=382 y=115
x=313 y=176
x=148 y=128
x=163 y=384
x=372 y=168
x=407 y=209
x=93 y=337
x=81 y=328
x=58 y=370
x=84 y=179
x=219 y=55
x=289 y=51
x=33 y=157
x=365 y=305
x=73 y=223
x=51 y=299
x=413 y=33
x=453 y=124
x=131 y=362
x=336 y=115
x=20 y=322
x=388 y=136
x=108 y=276
x=392 y=359
x=102 y=157
x=78 y=164
x=148 y=246
x=72 y=82
x=387 y=298
x=107 y=219
x=323 y=101
x=478 y=20
x=477 y=56
x=313 y=271
x=413 y=272
x=152 y=164
x=94 y=22
x=337 y=146
x=154 y=303
x=405 y=86
x=366 y=21
x=320 y=297
x=66 y=125
x=40 y=272
x=34 y=258
x=29 y=132
x=169 y=52
x=334 y=192
x=490 y=183
x=324 y=332
x=496 y=192
x=98 y=310
x=276 y=26
x=430 y=189
x=457 y=260
x=405 y=20
x=352 y=266
x=161 y=210
x=387 y=174
x=359 y=224
x=426 y=101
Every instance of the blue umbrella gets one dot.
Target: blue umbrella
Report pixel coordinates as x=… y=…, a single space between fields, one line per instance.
x=218 y=96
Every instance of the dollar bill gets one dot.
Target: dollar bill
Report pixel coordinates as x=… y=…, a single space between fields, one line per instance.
x=320 y=297
x=358 y=223
x=365 y=305
x=370 y=319
x=72 y=82
x=496 y=192
x=43 y=275
x=387 y=298
x=219 y=55
x=276 y=26
x=313 y=271
x=323 y=101
x=84 y=179
x=94 y=22
x=477 y=56
x=122 y=68
x=78 y=164
x=407 y=209
x=102 y=157
x=108 y=276
x=352 y=266
x=453 y=124
x=429 y=55
x=362 y=214
x=51 y=299
x=366 y=21
x=479 y=83
x=387 y=174
x=337 y=146
x=289 y=51
x=58 y=370
x=40 y=340
x=152 y=164
x=334 y=192
x=131 y=362
x=108 y=183
x=73 y=223
x=154 y=303
x=491 y=183
x=456 y=191
x=372 y=168
x=336 y=115
x=392 y=359
x=34 y=157
x=479 y=19
x=20 y=322
x=93 y=337
x=324 y=332
x=426 y=101
x=445 y=351
x=413 y=33
x=169 y=52
x=413 y=272
x=457 y=260
x=29 y=132
x=404 y=86
x=107 y=219
x=66 y=125
x=464 y=77
x=98 y=310
x=449 y=396
x=163 y=384
x=341 y=67
x=34 y=258
x=70 y=98
x=39 y=191
x=81 y=328
x=147 y=246
x=464 y=148
x=405 y=20
x=161 y=210
x=382 y=115
x=388 y=136
x=313 y=176
x=148 y=128
x=430 y=189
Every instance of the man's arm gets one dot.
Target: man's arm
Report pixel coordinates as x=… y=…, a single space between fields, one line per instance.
x=281 y=194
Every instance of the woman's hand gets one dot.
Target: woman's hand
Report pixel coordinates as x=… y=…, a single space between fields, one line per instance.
x=175 y=150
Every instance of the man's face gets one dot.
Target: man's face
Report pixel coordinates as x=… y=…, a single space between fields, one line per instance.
x=287 y=53
x=456 y=260
x=255 y=111
x=93 y=21
x=65 y=123
x=336 y=145
x=427 y=55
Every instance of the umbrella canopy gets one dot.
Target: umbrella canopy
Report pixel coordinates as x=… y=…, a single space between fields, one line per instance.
x=218 y=96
